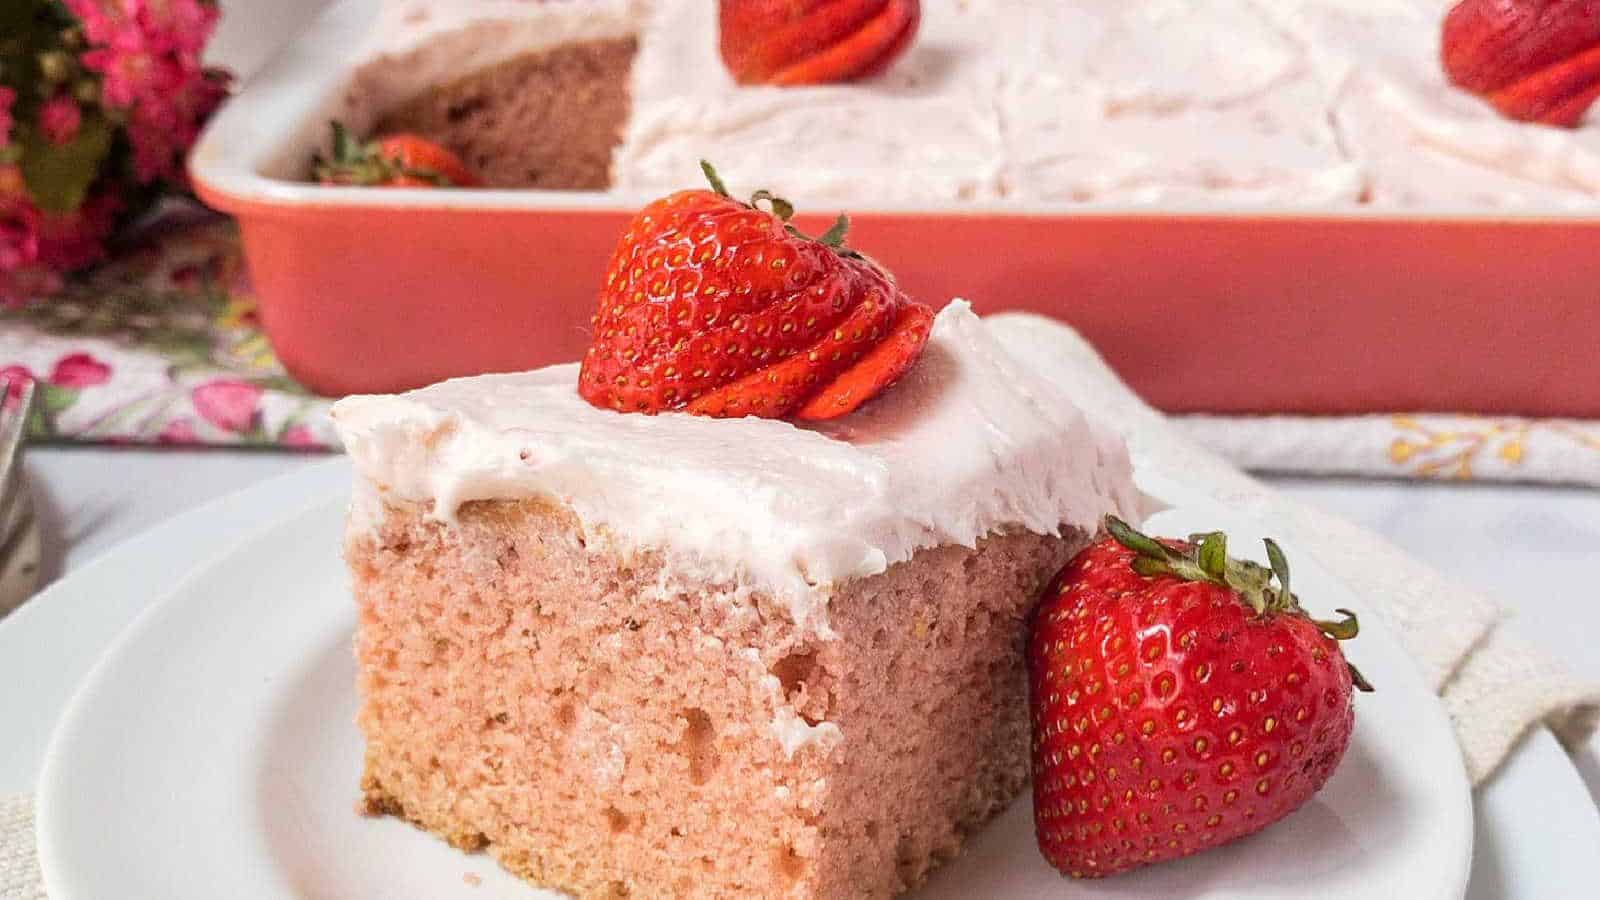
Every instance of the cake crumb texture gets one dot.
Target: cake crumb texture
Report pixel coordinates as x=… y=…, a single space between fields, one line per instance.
x=605 y=726
x=544 y=119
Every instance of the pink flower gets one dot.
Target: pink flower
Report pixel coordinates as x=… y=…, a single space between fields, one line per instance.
x=300 y=436
x=19 y=243
x=19 y=222
x=161 y=133
x=19 y=234
x=69 y=241
x=178 y=431
x=98 y=26
x=29 y=283
x=79 y=370
x=35 y=247
x=227 y=403
x=147 y=53
x=7 y=97
x=14 y=377
x=59 y=119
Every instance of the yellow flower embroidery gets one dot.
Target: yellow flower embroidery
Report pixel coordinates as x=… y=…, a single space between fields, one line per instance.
x=1452 y=452
x=239 y=327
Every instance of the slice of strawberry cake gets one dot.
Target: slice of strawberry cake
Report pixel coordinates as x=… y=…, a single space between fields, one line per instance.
x=680 y=656
x=735 y=608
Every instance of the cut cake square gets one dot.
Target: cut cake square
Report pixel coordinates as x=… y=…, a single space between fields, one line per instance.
x=670 y=656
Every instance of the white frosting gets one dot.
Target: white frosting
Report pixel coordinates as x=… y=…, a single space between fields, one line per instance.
x=405 y=25
x=1168 y=102
x=927 y=129
x=1281 y=102
x=968 y=443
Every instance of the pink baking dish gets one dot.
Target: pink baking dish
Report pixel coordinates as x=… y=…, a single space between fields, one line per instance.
x=1200 y=309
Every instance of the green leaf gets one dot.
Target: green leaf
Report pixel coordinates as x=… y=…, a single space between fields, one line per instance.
x=714 y=179
x=53 y=398
x=1280 y=566
x=39 y=426
x=781 y=208
x=1342 y=630
x=346 y=149
x=58 y=177
x=1149 y=567
x=834 y=236
x=1127 y=536
x=1213 y=555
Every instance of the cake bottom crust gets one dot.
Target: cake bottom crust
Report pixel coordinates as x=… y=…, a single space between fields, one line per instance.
x=541 y=868
x=603 y=728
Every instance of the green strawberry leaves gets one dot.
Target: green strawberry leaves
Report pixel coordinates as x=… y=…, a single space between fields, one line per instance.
x=1207 y=560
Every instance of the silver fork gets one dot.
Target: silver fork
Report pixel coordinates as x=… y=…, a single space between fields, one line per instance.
x=19 y=539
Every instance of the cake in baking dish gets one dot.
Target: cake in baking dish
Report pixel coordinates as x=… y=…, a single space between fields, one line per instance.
x=674 y=656
x=1291 y=102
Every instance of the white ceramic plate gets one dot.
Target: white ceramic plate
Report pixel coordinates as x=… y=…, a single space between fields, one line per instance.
x=1536 y=828
x=211 y=752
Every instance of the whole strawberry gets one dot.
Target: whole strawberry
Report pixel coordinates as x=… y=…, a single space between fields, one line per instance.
x=1180 y=700
x=723 y=308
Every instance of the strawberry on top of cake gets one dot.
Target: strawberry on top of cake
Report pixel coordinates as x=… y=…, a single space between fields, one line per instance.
x=724 y=308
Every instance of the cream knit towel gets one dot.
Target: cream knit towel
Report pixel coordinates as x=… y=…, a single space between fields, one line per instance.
x=1506 y=685
x=1494 y=685
x=19 y=871
x=1414 y=445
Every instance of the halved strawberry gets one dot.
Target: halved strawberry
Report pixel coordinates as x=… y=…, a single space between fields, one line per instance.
x=791 y=42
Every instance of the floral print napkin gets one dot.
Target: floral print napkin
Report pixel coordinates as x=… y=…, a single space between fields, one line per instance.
x=161 y=346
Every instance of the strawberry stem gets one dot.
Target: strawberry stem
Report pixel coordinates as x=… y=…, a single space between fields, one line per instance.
x=833 y=238
x=1342 y=630
x=346 y=149
x=1206 y=559
x=1213 y=554
x=714 y=179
